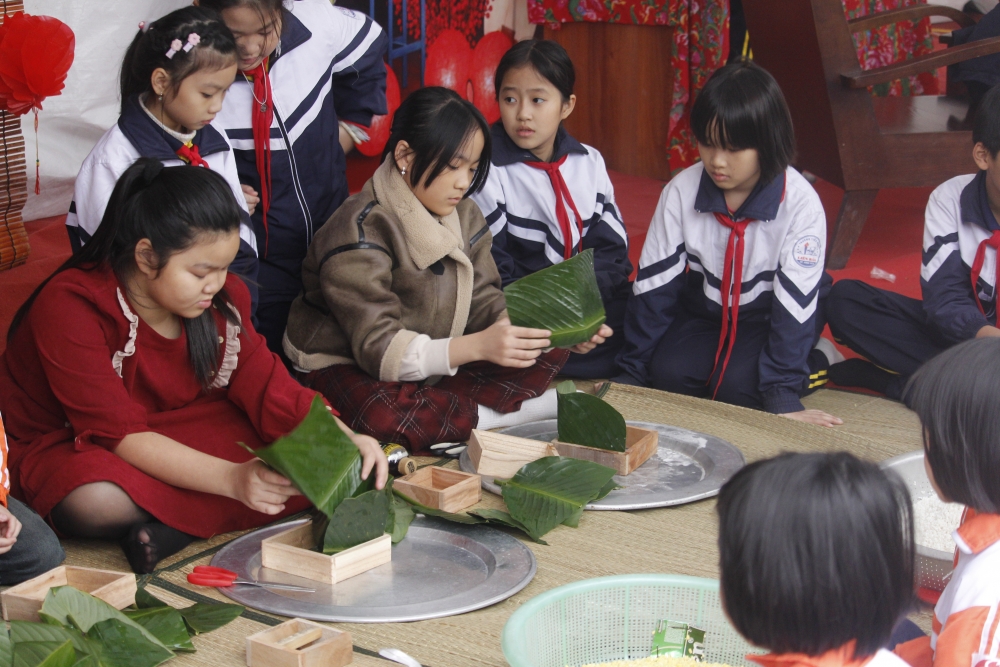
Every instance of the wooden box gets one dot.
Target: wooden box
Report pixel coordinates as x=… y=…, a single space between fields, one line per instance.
x=291 y=552
x=438 y=488
x=498 y=455
x=22 y=602
x=300 y=643
x=640 y=444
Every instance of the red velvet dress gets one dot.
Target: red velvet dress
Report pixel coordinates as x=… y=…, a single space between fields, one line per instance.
x=83 y=371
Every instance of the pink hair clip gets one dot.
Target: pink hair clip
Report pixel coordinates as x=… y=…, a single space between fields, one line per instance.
x=142 y=26
x=175 y=46
x=193 y=41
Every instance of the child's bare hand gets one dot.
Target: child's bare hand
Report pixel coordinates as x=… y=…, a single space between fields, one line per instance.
x=514 y=347
x=260 y=488
x=817 y=417
x=604 y=333
x=251 y=196
x=10 y=528
x=372 y=456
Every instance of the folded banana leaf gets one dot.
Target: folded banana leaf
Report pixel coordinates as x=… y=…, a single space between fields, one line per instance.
x=318 y=457
x=551 y=491
x=587 y=420
x=357 y=520
x=563 y=298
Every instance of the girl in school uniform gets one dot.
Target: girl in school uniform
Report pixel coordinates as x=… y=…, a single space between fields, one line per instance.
x=174 y=77
x=954 y=394
x=549 y=197
x=816 y=557
x=310 y=72
x=725 y=304
x=132 y=373
x=402 y=325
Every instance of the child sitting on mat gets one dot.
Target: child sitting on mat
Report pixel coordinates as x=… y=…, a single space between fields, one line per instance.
x=954 y=395
x=958 y=279
x=726 y=301
x=28 y=547
x=403 y=325
x=816 y=557
x=549 y=197
x=133 y=371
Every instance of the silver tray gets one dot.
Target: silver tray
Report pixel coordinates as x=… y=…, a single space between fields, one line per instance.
x=439 y=569
x=933 y=565
x=687 y=466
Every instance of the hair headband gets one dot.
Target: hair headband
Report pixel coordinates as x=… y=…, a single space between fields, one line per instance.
x=175 y=46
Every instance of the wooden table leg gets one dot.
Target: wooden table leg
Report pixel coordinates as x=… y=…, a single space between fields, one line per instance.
x=854 y=211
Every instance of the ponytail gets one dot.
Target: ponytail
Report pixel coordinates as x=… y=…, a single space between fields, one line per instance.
x=169 y=206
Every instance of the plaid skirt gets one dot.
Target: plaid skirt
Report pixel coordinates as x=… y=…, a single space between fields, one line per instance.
x=418 y=415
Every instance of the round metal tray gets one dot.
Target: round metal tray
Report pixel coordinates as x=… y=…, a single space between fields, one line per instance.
x=439 y=569
x=933 y=566
x=687 y=466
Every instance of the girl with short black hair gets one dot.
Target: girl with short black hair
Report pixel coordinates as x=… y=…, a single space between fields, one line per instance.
x=954 y=394
x=726 y=301
x=174 y=77
x=402 y=324
x=132 y=372
x=548 y=197
x=817 y=559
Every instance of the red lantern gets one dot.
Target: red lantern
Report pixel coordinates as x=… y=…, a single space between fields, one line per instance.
x=448 y=62
x=35 y=54
x=485 y=59
x=378 y=132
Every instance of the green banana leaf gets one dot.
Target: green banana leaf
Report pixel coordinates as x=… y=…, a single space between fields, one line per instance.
x=318 y=457
x=608 y=488
x=44 y=654
x=448 y=516
x=201 y=618
x=6 y=649
x=22 y=632
x=587 y=420
x=548 y=492
x=357 y=520
x=563 y=298
x=401 y=515
x=504 y=519
x=122 y=645
x=167 y=625
x=146 y=600
x=69 y=607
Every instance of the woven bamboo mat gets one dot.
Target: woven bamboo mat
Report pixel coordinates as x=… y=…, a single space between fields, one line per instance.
x=670 y=540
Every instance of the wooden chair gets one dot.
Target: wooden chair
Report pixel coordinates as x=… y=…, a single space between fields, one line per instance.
x=845 y=135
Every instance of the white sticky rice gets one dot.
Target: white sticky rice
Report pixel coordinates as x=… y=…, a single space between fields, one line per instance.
x=934 y=522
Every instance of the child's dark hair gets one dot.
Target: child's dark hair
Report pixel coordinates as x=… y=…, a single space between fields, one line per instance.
x=742 y=107
x=268 y=10
x=986 y=127
x=816 y=550
x=546 y=57
x=435 y=122
x=148 y=51
x=170 y=206
x=955 y=395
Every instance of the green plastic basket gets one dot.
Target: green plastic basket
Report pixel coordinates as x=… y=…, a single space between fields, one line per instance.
x=613 y=618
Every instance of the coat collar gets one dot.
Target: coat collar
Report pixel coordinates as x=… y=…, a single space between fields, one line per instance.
x=294 y=33
x=428 y=238
x=506 y=152
x=978 y=532
x=974 y=204
x=151 y=141
x=762 y=204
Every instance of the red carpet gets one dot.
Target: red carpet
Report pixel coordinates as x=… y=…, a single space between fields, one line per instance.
x=891 y=239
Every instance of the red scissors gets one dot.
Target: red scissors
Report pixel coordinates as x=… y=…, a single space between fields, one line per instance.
x=206 y=575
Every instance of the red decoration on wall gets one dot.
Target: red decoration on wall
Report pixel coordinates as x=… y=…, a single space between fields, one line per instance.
x=448 y=59
x=485 y=59
x=378 y=132
x=35 y=54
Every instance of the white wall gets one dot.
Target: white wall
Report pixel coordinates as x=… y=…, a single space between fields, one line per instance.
x=69 y=125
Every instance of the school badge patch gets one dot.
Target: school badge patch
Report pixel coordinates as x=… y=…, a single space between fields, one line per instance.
x=807 y=251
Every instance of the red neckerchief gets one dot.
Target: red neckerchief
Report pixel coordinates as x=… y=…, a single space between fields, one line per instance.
x=977 y=266
x=190 y=154
x=732 y=282
x=262 y=115
x=562 y=192
x=838 y=657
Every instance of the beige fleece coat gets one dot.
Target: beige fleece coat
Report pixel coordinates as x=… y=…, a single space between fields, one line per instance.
x=383 y=270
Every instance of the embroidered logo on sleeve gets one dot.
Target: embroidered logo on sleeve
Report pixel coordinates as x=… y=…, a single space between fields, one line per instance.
x=807 y=251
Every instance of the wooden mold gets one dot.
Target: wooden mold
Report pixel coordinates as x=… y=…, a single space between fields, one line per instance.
x=291 y=552
x=640 y=444
x=498 y=455
x=22 y=602
x=300 y=643
x=439 y=488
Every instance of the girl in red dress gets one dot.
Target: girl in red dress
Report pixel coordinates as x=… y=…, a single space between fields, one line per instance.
x=133 y=371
